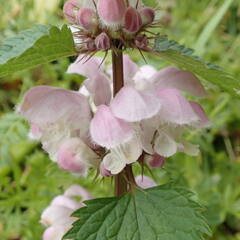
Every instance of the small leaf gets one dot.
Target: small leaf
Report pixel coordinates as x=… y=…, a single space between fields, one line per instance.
x=161 y=213
x=183 y=57
x=33 y=47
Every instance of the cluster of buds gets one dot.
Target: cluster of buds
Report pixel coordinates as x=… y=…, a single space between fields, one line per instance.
x=103 y=24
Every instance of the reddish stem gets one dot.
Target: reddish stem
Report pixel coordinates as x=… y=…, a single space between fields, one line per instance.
x=124 y=181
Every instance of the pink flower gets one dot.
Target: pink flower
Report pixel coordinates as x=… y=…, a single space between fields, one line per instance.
x=57 y=217
x=90 y=128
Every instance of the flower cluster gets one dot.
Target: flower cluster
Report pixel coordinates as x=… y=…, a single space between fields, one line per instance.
x=57 y=216
x=100 y=23
x=143 y=123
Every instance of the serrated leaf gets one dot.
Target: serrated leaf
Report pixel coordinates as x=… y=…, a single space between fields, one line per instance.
x=183 y=57
x=33 y=47
x=162 y=213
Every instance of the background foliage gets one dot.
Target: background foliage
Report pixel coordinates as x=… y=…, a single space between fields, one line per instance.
x=28 y=180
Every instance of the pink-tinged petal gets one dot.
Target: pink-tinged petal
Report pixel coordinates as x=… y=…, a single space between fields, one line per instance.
x=63 y=201
x=99 y=87
x=88 y=69
x=70 y=10
x=165 y=145
x=130 y=68
x=78 y=191
x=55 y=232
x=175 y=108
x=143 y=78
x=145 y=182
x=132 y=105
x=44 y=104
x=172 y=77
x=87 y=18
x=54 y=215
x=108 y=131
x=103 y=171
x=203 y=119
x=155 y=160
x=111 y=12
x=35 y=132
x=75 y=156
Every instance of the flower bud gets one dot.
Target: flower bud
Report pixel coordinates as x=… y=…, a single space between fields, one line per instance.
x=87 y=18
x=145 y=182
x=141 y=41
x=132 y=21
x=147 y=15
x=70 y=10
x=102 y=41
x=90 y=44
x=103 y=171
x=155 y=161
x=111 y=12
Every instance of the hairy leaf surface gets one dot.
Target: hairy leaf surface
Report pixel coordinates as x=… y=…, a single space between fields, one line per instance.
x=30 y=48
x=183 y=57
x=161 y=213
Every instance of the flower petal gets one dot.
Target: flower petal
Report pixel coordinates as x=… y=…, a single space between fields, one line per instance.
x=172 y=77
x=132 y=105
x=44 y=104
x=175 y=108
x=107 y=130
x=113 y=163
x=145 y=182
x=99 y=87
x=63 y=201
x=54 y=215
x=78 y=191
x=55 y=232
x=122 y=155
x=89 y=69
x=203 y=119
x=130 y=68
x=165 y=145
x=75 y=156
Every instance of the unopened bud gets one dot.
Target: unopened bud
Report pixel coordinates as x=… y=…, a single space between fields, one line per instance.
x=111 y=12
x=104 y=172
x=147 y=15
x=87 y=18
x=141 y=41
x=90 y=44
x=133 y=21
x=155 y=161
x=102 y=41
x=70 y=10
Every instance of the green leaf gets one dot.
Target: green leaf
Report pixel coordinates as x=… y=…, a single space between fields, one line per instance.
x=183 y=57
x=33 y=47
x=161 y=213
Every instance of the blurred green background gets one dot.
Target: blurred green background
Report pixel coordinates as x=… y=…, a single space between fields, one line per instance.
x=28 y=180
